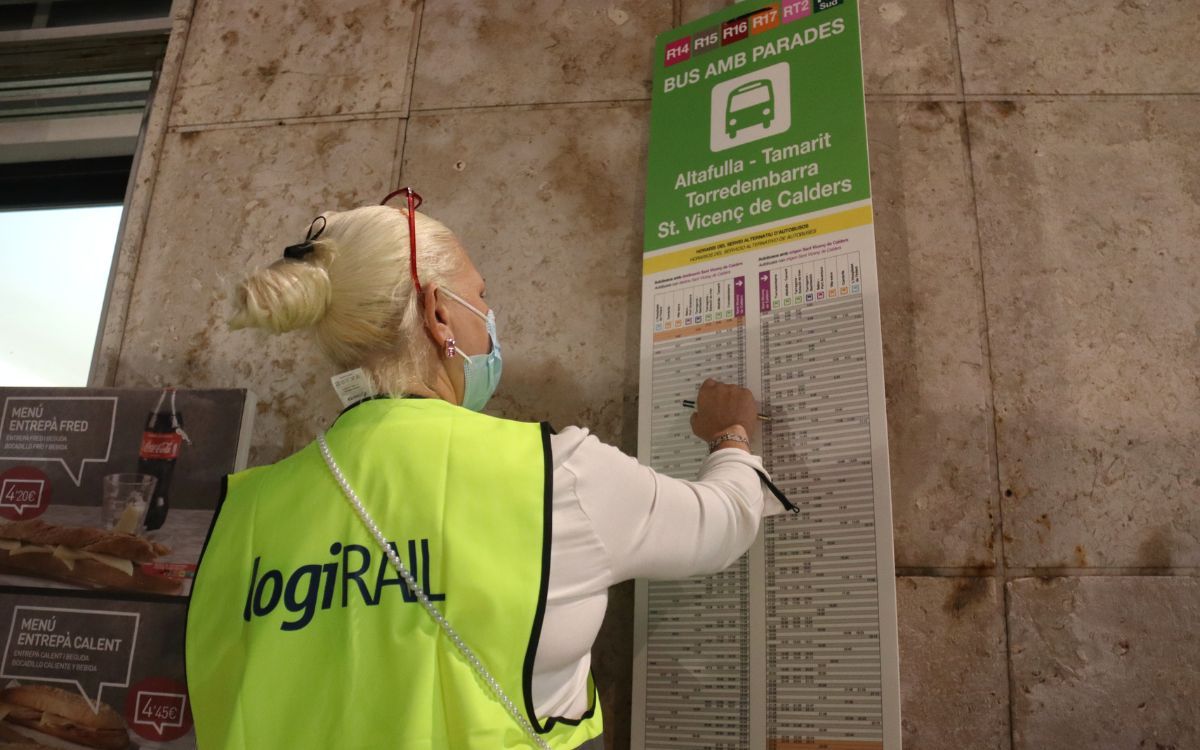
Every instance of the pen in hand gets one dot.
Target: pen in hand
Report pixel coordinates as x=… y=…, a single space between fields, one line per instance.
x=690 y=404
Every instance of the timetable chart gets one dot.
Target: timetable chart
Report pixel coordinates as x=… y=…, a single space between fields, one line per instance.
x=699 y=332
x=697 y=660
x=822 y=612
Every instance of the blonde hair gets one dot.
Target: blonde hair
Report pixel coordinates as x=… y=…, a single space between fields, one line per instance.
x=355 y=290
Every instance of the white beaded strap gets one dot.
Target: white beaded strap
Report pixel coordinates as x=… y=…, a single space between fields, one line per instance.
x=411 y=582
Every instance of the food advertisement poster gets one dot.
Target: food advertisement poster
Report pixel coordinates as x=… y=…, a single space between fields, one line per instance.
x=106 y=498
x=62 y=449
x=93 y=672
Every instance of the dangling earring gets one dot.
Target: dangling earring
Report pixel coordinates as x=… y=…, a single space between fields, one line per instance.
x=450 y=349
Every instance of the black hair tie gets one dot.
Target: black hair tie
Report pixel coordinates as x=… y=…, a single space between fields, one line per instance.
x=301 y=250
x=298 y=252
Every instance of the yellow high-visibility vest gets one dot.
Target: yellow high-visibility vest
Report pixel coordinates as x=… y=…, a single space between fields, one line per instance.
x=302 y=635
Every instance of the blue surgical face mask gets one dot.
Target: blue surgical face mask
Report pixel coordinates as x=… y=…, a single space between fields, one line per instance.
x=481 y=372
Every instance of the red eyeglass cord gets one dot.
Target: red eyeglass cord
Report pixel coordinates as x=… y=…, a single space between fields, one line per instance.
x=414 y=201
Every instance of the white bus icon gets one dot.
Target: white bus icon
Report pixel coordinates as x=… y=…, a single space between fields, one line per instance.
x=751 y=107
x=749 y=104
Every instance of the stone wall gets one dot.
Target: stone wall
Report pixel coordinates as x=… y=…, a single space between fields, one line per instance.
x=1038 y=159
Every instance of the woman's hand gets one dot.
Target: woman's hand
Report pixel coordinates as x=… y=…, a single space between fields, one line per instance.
x=722 y=408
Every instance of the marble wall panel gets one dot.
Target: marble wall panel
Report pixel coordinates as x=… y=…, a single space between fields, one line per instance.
x=181 y=10
x=1105 y=662
x=690 y=10
x=1089 y=216
x=953 y=664
x=548 y=203
x=938 y=387
x=1078 y=46
x=476 y=53
x=137 y=204
x=908 y=46
x=270 y=61
x=227 y=201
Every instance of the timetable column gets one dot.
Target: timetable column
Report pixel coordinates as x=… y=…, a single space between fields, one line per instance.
x=697 y=647
x=823 y=657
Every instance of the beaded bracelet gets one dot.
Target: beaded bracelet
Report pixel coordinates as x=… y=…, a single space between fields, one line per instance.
x=727 y=438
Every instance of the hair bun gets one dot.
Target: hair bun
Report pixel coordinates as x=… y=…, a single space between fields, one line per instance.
x=285 y=296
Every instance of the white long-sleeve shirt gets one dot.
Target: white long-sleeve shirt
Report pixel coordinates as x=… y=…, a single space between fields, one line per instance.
x=614 y=520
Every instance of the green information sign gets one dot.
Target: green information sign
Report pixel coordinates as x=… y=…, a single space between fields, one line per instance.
x=759 y=269
x=758 y=115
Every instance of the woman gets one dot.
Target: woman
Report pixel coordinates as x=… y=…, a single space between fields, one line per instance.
x=423 y=575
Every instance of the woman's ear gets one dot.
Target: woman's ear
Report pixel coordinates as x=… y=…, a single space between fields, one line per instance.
x=435 y=315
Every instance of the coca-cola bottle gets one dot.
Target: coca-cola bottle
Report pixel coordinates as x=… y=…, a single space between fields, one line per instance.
x=161 y=441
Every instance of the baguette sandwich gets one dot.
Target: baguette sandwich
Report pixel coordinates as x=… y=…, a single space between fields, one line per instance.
x=38 y=716
x=83 y=556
